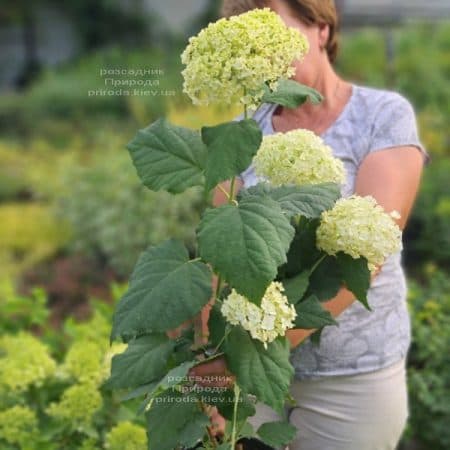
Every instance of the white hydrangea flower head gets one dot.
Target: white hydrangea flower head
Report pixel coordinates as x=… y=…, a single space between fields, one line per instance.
x=231 y=59
x=127 y=436
x=18 y=425
x=265 y=322
x=359 y=226
x=297 y=157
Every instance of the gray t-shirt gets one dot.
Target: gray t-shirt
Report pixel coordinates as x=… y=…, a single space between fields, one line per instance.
x=364 y=341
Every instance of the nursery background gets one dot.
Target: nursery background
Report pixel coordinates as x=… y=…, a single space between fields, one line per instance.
x=77 y=79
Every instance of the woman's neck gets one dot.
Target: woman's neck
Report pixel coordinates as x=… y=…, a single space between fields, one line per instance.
x=318 y=118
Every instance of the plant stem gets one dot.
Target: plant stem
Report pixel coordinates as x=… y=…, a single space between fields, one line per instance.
x=317 y=263
x=231 y=197
x=237 y=392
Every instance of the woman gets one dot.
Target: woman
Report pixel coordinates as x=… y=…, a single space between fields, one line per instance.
x=351 y=390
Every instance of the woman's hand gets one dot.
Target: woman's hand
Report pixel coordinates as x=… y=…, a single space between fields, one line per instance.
x=213 y=373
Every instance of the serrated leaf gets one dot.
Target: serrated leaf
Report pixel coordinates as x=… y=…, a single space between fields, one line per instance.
x=175 y=419
x=165 y=290
x=291 y=94
x=307 y=200
x=356 y=276
x=295 y=287
x=175 y=376
x=264 y=373
x=326 y=280
x=276 y=434
x=143 y=361
x=247 y=431
x=231 y=147
x=310 y=314
x=168 y=157
x=246 y=243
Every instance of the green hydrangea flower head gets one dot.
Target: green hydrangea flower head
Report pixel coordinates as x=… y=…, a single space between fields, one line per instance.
x=230 y=60
x=18 y=426
x=126 y=436
x=297 y=157
x=77 y=405
x=265 y=322
x=83 y=362
x=359 y=226
x=24 y=362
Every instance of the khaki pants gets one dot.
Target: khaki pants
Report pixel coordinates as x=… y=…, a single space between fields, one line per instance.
x=358 y=412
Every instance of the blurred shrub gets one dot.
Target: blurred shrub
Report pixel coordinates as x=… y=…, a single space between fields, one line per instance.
x=187 y=115
x=428 y=233
x=362 y=57
x=29 y=234
x=78 y=92
x=114 y=218
x=429 y=361
x=51 y=388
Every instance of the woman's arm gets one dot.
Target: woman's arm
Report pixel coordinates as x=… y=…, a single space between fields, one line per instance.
x=392 y=176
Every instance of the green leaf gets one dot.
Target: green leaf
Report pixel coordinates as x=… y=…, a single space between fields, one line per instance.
x=315 y=337
x=326 y=280
x=310 y=314
x=165 y=290
x=276 y=434
x=231 y=147
x=246 y=243
x=355 y=275
x=247 y=431
x=175 y=419
x=143 y=361
x=264 y=373
x=168 y=157
x=291 y=94
x=307 y=200
x=295 y=287
x=224 y=400
x=303 y=252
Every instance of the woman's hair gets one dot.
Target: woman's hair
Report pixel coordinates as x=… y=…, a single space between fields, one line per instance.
x=310 y=12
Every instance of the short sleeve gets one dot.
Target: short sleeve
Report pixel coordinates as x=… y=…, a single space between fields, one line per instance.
x=395 y=125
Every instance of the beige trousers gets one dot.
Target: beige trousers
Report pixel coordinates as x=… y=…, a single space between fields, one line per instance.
x=358 y=412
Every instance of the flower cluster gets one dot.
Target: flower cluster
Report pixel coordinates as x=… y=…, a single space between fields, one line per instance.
x=297 y=157
x=77 y=405
x=359 y=226
x=83 y=362
x=24 y=362
x=265 y=323
x=18 y=426
x=126 y=436
x=231 y=59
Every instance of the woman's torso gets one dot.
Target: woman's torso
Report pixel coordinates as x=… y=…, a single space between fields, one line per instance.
x=364 y=341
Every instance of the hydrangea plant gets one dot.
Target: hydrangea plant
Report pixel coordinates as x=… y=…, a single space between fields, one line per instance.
x=276 y=249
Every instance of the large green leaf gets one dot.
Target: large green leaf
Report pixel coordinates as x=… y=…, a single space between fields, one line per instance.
x=303 y=252
x=246 y=243
x=356 y=276
x=291 y=94
x=307 y=200
x=276 y=434
x=295 y=287
x=264 y=373
x=175 y=419
x=326 y=280
x=168 y=157
x=165 y=290
x=143 y=361
x=310 y=314
x=231 y=147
